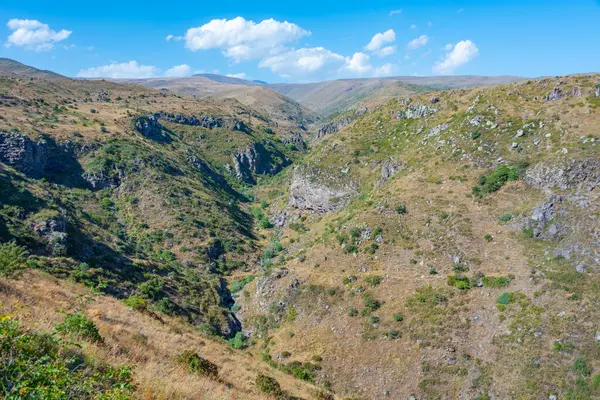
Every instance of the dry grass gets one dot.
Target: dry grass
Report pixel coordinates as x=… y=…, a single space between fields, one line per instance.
x=151 y=344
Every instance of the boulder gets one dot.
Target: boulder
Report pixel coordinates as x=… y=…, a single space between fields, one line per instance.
x=415 y=111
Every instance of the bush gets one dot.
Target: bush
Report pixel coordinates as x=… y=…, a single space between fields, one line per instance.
x=136 y=302
x=237 y=286
x=394 y=334
x=267 y=385
x=373 y=280
x=370 y=303
x=401 y=209
x=475 y=135
x=39 y=369
x=459 y=282
x=494 y=180
x=505 y=298
x=581 y=367
x=353 y=312
x=237 y=342
x=488 y=238
x=350 y=248
x=12 y=259
x=80 y=327
x=459 y=267
x=197 y=364
x=505 y=218
x=398 y=317
x=495 y=282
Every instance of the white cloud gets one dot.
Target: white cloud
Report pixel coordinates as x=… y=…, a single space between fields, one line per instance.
x=395 y=12
x=418 y=42
x=241 y=39
x=179 y=71
x=463 y=52
x=386 y=51
x=413 y=26
x=129 y=69
x=169 y=37
x=384 y=70
x=241 y=75
x=448 y=47
x=380 y=39
x=303 y=61
x=359 y=64
x=34 y=35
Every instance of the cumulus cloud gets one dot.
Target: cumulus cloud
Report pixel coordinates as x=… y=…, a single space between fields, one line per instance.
x=384 y=70
x=303 y=61
x=241 y=75
x=395 y=12
x=359 y=64
x=129 y=69
x=418 y=42
x=241 y=39
x=179 y=71
x=380 y=39
x=463 y=52
x=385 y=51
x=34 y=35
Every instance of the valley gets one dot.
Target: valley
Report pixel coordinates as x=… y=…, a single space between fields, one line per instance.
x=385 y=238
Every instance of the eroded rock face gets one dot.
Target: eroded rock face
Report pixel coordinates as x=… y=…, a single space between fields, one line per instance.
x=334 y=126
x=566 y=175
x=555 y=94
x=542 y=217
x=150 y=128
x=318 y=191
x=388 y=169
x=53 y=230
x=257 y=159
x=295 y=139
x=23 y=154
x=37 y=159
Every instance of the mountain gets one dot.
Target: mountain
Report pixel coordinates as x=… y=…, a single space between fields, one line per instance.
x=266 y=102
x=438 y=244
x=8 y=66
x=230 y=80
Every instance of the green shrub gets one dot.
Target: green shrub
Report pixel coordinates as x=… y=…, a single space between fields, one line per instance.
x=237 y=286
x=237 y=342
x=475 y=135
x=317 y=358
x=398 y=317
x=505 y=298
x=353 y=312
x=488 y=238
x=459 y=267
x=495 y=281
x=459 y=282
x=350 y=248
x=197 y=364
x=80 y=327
x=136 y=302
x=401 y=209
x=12 y=259
x=267 y=385
x=370 y=303
x=394 y=334
x=373 y=280
x=581 y=367
x=39 y=368
x=152 y=288
x=374 y=320
x=494 y=180
x=505 y=218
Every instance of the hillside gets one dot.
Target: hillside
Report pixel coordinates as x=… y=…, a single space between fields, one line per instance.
x=433 y=245
x=266 y=102
x=331 y=97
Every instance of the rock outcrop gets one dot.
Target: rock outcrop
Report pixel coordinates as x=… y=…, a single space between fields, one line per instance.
x=388 y=169
x=37 y=159
x=334 y=126
x=52 y=228
x=150 y=128
x=256 y=159
x=318 y=191
x=583 y=174
x=415 y=111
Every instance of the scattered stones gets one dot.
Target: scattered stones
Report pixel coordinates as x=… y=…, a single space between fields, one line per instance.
x=415 y=111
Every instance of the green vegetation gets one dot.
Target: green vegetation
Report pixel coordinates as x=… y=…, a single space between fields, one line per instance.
x=495 y=281
x=505 y=298
x=39 y=366
x=267 y=385
x=194 y=363
x=494 y=180
x=80 y=327
x=12 y=259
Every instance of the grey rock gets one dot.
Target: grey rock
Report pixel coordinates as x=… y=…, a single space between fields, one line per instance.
x=334 y=126
x=434 y=100
x=565 y=175
x=597 y=91
x=150 y=128
x=415 y=111
x=295 y=139
x=318 y=191
x=256 y=159
x=555 y=94
x=436 y=130
x=53 y=230
x=388 y=169
x=581 y=268
x=476 y=120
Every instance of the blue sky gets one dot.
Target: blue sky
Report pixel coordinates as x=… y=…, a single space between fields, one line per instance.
x=279 y=41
